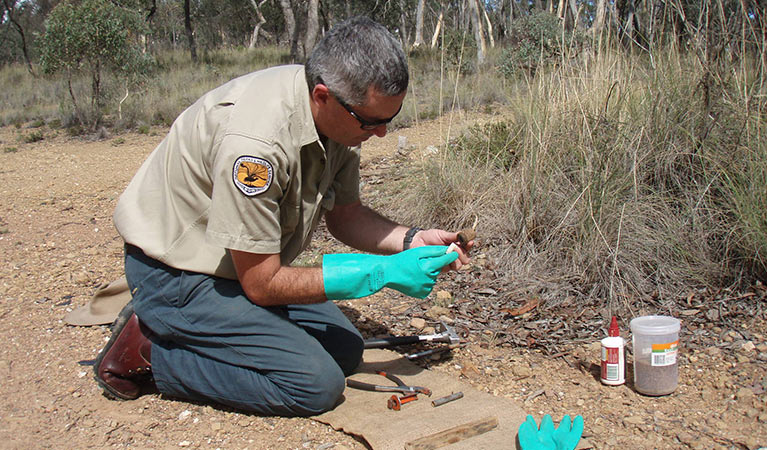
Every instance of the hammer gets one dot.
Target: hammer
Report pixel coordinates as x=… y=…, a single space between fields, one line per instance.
x=448 y=335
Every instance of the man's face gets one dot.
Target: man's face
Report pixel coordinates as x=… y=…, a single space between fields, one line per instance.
x=352 y=125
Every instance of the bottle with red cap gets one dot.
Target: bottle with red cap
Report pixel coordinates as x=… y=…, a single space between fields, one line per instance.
x=613 y=356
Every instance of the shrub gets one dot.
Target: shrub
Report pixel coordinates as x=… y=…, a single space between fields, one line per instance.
x=537 y=40
x=34 y=136
x=96 y=37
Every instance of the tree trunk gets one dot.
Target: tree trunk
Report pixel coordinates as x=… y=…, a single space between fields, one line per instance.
x=575 y=10
x=437 y=29
x=403 y=24
x=628 y=25
x=597 y=28
x=312 y=25
x=9 y=13
x=189 y=31
x=419 y=24
x=489 y=24
x=290 y=28
x=259 y=24
x=151 y=11
x=476 y=24
x=561 y=10
x=510 y=20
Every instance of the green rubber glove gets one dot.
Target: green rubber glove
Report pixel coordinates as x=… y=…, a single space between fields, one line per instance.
x=412 y=272
x=567 y=435
x=564 y=437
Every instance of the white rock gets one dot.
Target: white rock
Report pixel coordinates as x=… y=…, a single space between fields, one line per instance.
x=417 y=323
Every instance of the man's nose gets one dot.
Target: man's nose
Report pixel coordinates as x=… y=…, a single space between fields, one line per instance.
x=380 y=131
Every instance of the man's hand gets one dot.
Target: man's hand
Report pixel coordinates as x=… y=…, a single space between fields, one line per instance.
x=412 y=272
x=441 y=237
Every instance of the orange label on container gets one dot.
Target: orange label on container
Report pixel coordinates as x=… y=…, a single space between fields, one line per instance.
x=665 y=347
x=664 y=354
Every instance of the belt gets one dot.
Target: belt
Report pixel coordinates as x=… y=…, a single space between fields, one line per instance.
x=131 y=249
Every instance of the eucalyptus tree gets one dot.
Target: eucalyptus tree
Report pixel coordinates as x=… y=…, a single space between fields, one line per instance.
x=97 y=38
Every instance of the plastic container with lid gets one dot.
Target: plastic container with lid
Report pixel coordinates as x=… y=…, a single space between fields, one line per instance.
x=656 y=344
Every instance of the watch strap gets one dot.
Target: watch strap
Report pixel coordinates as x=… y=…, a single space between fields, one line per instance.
x=409 y=237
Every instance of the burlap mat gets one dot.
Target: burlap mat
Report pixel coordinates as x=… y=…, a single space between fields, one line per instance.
x=365 y=414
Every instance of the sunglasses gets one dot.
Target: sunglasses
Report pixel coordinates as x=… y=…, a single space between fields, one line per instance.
x=365 y=124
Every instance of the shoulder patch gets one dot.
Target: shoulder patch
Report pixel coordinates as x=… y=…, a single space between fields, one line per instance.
x=252 y=175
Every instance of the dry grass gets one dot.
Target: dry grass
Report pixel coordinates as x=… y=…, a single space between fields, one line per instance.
x=158 y=99
x=609 y=180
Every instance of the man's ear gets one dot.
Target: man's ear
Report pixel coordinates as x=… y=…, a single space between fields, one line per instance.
x=320 y=94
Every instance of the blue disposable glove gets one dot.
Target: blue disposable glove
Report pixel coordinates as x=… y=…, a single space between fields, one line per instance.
x=564 y=437
x=412 y=272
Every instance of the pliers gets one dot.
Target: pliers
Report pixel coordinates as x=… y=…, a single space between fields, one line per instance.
x=400 y=387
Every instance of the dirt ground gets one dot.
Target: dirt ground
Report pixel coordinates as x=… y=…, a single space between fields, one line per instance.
x=57 y=244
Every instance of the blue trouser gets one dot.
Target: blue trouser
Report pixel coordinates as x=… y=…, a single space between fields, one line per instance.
x=213 y=344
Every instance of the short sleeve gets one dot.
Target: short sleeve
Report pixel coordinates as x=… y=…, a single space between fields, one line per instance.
x=250 y=176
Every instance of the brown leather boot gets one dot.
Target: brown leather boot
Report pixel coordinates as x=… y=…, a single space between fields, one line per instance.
x=123 y=368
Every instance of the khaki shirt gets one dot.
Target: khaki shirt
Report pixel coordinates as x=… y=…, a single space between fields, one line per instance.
x=242 y=168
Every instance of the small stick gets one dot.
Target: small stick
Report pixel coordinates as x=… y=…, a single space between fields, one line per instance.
x=446 y=399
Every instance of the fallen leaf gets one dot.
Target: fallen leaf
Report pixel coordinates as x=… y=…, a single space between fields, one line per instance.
x=527 y=307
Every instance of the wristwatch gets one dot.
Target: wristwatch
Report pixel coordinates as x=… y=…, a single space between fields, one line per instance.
x=409 y=237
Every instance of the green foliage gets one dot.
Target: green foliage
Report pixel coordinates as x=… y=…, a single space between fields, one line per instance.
x=34 y=136
x=460 y=49
x=495 y=144
x=95 y=37
x=537 y=40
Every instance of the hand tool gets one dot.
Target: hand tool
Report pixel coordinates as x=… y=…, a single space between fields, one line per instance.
x=396 y=403
x=449 y=335
x=400 y=387
x=432 y=351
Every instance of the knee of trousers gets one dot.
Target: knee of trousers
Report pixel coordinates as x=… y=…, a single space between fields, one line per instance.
x=351 y=355
x=322 y=394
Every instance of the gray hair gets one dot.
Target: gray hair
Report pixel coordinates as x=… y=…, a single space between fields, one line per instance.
x=355 y=55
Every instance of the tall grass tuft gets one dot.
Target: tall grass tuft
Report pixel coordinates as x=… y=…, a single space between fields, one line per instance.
x=609 y=178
